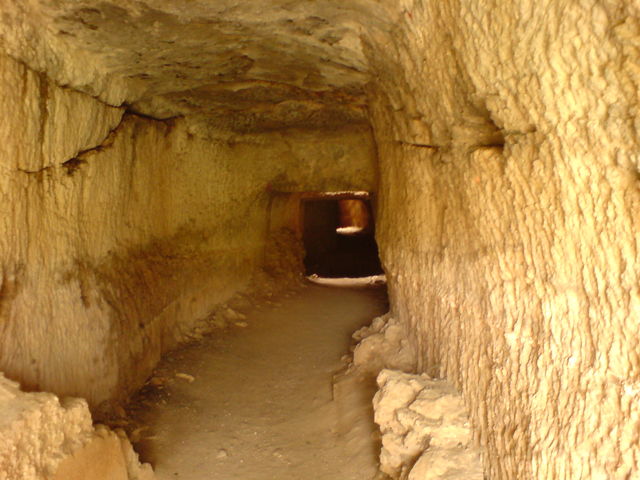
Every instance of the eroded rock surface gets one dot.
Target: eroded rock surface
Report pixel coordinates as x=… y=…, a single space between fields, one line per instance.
x=383 y=344
x=513 y=261
x=44 y=438
x=122 y=232
x=425 y=428
x=248 y=65
x=507 y=200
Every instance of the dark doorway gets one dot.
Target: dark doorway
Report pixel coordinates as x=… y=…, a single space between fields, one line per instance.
x=339 y=237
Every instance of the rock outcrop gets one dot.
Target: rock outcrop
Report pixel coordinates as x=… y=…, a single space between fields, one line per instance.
x=42 y=437
x=426 y=434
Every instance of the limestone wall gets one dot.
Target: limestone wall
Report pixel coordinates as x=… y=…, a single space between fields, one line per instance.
x=507 y=211
x=45 y=438
x=117 y=231
x=508 y=221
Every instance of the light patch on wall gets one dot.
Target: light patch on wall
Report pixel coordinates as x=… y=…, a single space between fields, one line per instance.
x=355 y=218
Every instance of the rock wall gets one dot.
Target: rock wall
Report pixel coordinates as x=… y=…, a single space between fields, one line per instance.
x=118 y=232
x=508 y=226
x=45 y=438
x=425 y=429
x=507 y=210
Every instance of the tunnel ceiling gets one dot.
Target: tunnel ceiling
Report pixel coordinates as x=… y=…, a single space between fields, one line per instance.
x=252 y=64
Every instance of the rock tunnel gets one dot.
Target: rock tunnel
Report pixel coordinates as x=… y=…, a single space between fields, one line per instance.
x=156 y=156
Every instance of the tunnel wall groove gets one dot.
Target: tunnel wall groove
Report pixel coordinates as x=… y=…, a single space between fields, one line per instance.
x=119 y=231
x=507 y=222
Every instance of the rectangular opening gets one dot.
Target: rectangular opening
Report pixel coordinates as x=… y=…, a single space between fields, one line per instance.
x=338 y=233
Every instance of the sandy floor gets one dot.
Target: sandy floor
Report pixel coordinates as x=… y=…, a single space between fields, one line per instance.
x=261 y=404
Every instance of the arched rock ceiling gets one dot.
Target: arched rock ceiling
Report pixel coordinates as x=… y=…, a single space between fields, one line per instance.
x=249 y=65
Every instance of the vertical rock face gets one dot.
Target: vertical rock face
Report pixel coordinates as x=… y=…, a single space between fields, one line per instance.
x=119 y=231
x=508 y=224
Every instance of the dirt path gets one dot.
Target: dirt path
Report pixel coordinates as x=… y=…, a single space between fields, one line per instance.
x=261 y=404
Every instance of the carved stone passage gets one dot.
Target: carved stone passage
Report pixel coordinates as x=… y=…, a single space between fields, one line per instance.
x=143 y=144
x=425 y=428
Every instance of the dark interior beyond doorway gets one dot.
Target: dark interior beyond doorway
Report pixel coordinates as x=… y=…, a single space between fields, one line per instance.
x=339 y=238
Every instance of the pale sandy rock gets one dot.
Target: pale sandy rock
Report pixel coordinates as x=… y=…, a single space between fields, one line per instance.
x=185 y=376
x=423 y=420
x=507 y=193
x=230 y=314
x=138 y=229
x=37 y=430
x=454 y=463
x=222 y=454
x=513 y=261
x=135 y=469
x=100 y=459
x=381 y=345
x=233 y=64
x=43 y=438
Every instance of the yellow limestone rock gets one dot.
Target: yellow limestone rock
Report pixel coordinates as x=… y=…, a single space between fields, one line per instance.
x=43 y=438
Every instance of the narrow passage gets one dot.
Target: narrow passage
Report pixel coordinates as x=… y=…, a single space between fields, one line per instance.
x=261 y=404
